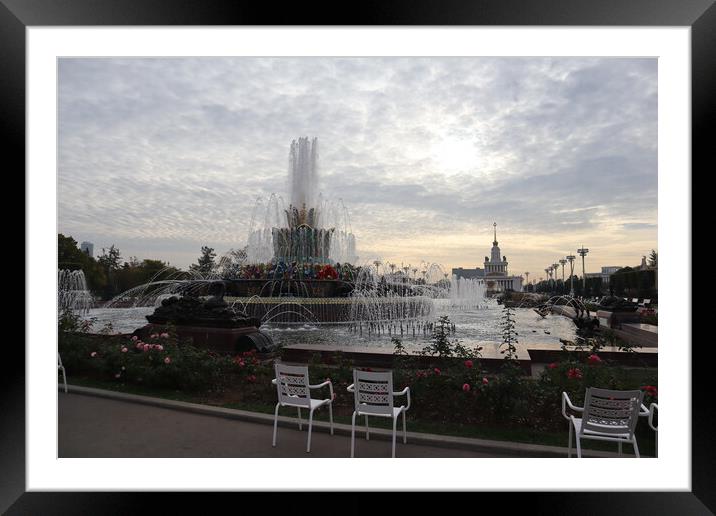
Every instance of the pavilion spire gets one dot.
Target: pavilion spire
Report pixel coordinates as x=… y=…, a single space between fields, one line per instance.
x=495 y=228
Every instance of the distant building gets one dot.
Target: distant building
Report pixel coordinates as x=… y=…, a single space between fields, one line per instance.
x=475 y=273
x=494 y=272
x=88 y=248
x=608 y=271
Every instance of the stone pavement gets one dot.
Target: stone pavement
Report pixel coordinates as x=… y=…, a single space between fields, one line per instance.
x=99 y=427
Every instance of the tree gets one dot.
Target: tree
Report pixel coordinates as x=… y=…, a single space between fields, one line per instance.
x=653 y=258
x=110 y=259
x=205 y=264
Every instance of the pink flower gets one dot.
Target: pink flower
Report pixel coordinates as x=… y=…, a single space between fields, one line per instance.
x=594 y=359
x=140 y=345
x=553 y=365
x=146 y=347
x=468 y=364
x=485 y=381
x=124 y=349
x=167 y=360
x=93 y=354
x=164 y=335
x=466 y=387
x=574 y=373
x=154 y=336
x=437 y=371
x=134 y=337
x=160 y=347
x=251 y=378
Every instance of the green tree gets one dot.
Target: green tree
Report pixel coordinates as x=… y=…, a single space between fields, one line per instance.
x=653 y=258
x=205 y=264
x=110 y=259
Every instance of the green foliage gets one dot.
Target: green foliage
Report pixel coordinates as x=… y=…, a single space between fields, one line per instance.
x=205 y=265
x=631 y=283
x=509 y=334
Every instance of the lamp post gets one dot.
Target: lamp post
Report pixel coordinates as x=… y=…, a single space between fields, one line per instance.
x=583 y=252
x=571 y=259
x=549 y=275
x=555 y=268
x=563 y=262
x=377 y=264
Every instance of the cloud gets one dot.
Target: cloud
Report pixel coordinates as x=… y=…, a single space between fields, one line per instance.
x=161 y=156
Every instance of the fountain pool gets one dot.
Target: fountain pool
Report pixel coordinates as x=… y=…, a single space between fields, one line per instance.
x=473 y=327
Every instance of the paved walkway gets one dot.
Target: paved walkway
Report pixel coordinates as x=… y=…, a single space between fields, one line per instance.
x=99 y=427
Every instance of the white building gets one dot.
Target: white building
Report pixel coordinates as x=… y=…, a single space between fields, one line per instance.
x=494 y=272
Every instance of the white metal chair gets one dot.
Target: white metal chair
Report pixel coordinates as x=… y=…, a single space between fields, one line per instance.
x=652 y=409
x=294 y=390
x=61 y=369
x=606 y=416
x=373 y=395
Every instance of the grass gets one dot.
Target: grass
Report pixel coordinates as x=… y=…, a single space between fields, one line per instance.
x=645 y=437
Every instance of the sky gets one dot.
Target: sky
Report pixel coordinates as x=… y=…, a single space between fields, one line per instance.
x=160 y=156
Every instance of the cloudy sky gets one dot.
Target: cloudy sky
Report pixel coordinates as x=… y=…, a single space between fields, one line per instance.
x=162 y=156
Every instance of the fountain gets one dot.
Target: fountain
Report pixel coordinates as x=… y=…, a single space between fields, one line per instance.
x=301 y=270
x=72 y=292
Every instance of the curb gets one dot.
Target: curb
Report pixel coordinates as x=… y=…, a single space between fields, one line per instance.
x=504 y=448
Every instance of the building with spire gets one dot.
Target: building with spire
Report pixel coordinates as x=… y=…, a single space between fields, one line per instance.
x=494 y=273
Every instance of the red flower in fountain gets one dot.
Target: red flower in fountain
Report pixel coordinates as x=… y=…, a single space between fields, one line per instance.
x=327 y=272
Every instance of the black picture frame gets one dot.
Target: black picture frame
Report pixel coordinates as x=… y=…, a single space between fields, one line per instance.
x=17 y=15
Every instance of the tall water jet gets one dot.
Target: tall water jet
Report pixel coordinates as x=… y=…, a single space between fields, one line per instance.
x=311 y=230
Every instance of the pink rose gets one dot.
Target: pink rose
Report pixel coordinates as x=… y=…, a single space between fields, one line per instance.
x=466 y=387
x=154 y=336
x=146 y=347
x=93 y=354
x=135 y=337
x=485 y=381
x=164 y=335
x=140 y=345
x=251 y=378
x=160 y=347
x=124 y=350
x=468 y=364
x=574 y=373
x=594 y=359
x=553 y=365
x=437 y=371
x=167 y=360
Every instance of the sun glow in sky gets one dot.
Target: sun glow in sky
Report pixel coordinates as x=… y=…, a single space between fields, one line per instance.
x=162 y=156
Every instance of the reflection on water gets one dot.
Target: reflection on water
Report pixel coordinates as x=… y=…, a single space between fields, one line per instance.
x=472 y=327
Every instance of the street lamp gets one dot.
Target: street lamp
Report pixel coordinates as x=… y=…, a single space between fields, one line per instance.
x=583 y=252
x=555 y=268
x=563 y=262
x=549 y=275
x=571 y=259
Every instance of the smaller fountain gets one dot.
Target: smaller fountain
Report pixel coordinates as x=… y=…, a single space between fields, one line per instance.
x=72 y=292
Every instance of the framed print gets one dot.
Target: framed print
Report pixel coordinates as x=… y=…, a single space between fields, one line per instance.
x=416 y=135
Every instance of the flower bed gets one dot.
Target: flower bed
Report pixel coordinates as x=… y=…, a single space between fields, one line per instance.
x=447 y=381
